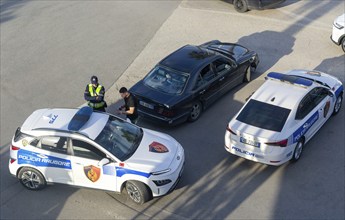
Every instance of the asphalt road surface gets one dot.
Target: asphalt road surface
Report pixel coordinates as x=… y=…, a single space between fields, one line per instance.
x=50 y=49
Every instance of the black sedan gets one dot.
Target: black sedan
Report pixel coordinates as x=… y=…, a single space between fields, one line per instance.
x=187 y=81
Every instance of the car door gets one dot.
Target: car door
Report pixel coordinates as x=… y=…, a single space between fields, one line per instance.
x=88 y=167
x=227 y=74
x=310 y=113
x=52 y=159
x=206 y=87
x=323 y=102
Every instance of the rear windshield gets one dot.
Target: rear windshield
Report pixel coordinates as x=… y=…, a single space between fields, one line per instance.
x=263 y=115
x=166 y=81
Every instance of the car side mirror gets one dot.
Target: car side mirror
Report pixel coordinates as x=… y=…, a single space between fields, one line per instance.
x=330 y=94
x=103 y=162
x=227 y=66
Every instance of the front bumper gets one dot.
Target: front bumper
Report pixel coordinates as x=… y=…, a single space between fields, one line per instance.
x=175 y=176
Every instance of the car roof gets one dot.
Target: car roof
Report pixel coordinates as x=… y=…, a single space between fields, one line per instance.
x=58 y=119
x=284 y=93
x=188 y=58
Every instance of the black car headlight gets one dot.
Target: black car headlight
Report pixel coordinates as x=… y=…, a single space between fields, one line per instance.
x=161 y=182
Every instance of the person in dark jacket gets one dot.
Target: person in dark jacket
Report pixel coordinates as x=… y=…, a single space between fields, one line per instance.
x=94 y=95
x=130 y=107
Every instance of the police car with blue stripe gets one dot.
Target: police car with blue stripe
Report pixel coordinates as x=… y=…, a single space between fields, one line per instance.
x=283 y=115
x=84 y=148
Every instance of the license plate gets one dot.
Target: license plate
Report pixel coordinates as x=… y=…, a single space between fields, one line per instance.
x=147 y=105
x=250 y=142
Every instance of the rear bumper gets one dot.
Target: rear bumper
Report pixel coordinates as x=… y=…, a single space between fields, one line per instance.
x=275 y=160
x=165 y=120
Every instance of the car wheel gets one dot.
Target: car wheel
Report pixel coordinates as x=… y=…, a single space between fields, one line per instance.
x=241 y=5
x=248 y=74
x=195 y=112
x=137 y=192
x=337 y=104
x=298 y=151
x=31 y=178
x=343 y=44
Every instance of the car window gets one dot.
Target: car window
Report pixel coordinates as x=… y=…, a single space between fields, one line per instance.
x=52 y=143
x=86 y=150
x=318 y=94
x=310 y=101
x=221 y=66
x=207 y=74
x=166 y=81
x=264 y=115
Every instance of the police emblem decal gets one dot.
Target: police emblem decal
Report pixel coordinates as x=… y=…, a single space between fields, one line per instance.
x=158 y=148
x=92 y=173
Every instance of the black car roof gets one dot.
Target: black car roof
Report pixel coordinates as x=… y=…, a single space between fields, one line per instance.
x=187 y=58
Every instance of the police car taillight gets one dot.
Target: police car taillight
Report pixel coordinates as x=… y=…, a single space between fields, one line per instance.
x=15 y=148
x=229 y=130
x=281 y=143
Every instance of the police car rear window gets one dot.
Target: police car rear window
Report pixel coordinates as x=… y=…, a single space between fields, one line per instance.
x=264 y=115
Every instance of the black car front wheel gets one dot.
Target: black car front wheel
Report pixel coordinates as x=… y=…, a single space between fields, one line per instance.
x=248 y=74
x=195 y=112
x=31 y=178
x=241 y=5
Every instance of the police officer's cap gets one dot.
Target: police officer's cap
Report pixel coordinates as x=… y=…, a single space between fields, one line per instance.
x=94 y=80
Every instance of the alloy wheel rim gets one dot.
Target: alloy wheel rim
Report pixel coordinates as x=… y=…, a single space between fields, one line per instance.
x=298 y=150
x=133 y=193
x=31 y=180
x=196 y=111
x=337 y=104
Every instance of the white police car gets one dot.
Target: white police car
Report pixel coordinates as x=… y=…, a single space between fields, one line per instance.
x=338 y=32
x=283 y=115
x=97 y=150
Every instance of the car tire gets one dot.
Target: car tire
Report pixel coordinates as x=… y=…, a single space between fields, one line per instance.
x=248 y=74
x=137 y=192
x=337 y=104
x=31 y=178
x=195 y=112
x=241 y=5
x=343 y=44
x=298 y=151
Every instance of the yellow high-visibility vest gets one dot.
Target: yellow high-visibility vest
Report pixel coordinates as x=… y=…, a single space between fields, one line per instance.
x=96 y=93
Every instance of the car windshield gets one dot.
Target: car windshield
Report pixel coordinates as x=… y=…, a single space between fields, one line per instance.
x=263 y=115
x=120 y=138
x=166 y=81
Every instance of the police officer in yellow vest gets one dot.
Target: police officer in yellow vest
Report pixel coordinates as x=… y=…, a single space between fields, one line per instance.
x=94 y=95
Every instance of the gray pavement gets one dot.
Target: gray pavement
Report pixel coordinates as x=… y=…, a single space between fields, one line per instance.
x=215 y=184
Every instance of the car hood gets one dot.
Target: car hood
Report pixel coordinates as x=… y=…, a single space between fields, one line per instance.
x=142 y=91
x=146 y=159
